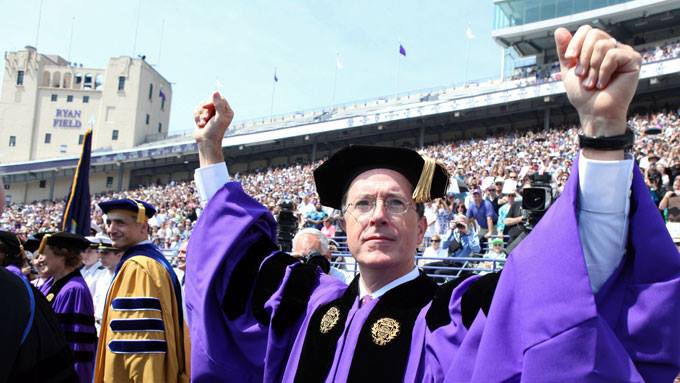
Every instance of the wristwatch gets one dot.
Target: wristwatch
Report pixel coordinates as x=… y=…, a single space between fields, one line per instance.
x=623 y=141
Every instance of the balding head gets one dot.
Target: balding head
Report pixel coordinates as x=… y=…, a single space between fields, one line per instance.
x=309 y=240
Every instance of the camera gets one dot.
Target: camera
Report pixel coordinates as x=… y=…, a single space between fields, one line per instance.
x=287 y=225
x=317 y=259
x=536 y=199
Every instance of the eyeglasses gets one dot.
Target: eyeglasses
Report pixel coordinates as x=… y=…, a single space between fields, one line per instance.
x=365 y=206
x=436 y=240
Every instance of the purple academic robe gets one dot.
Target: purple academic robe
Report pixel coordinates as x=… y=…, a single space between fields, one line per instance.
x=73 y=305
x=546 y=325
x=16 y=271
x=239 y=345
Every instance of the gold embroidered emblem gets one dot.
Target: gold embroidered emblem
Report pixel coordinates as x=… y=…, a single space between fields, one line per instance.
x=50 y=296
x=329 y=319
x=384 y=330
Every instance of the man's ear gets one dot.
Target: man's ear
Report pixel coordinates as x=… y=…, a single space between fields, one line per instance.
x=146 y=228
x=341 y=223
x=422 y=227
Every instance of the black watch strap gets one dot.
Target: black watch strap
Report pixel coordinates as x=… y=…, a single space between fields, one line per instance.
x=624 y=141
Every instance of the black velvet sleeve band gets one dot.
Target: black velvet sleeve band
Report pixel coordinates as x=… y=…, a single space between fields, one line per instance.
x=243 y=278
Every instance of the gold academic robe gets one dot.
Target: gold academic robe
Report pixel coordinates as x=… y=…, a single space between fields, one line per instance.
x=141 y=339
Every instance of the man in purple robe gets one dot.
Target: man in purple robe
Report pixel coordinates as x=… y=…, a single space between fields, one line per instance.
x=571 y=306
x=70 y=297
x=582 y=299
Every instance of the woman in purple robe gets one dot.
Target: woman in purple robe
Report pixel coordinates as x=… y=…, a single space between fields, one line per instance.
x=70 y=298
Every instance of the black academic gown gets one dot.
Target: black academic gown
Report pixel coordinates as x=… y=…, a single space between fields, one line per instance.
x=33 y=348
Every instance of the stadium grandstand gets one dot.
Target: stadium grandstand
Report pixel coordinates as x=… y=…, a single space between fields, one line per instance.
x=482 y=128
x=239 y=296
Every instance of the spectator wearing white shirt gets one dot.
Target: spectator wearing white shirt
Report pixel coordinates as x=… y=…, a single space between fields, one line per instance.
x=435 y=250
x=109 y=257
x=92 y=269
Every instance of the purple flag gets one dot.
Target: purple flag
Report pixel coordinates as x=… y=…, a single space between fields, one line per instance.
x=276 y=79
x=76 y=218
x=402 y=51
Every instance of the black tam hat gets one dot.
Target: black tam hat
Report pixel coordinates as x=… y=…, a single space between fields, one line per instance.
x=429 y=178
x=10 y=242
x=64 y=240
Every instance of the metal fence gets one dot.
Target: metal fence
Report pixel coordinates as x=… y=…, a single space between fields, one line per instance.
x=440 y=269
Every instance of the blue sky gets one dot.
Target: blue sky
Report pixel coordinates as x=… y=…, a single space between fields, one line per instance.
x=241 y=43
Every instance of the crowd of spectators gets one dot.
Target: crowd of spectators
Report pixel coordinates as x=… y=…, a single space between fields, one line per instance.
x=177 y=205
x=514 y=155
x=532 y=74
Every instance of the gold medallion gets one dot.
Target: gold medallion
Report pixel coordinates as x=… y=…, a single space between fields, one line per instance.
x=50 y=296
x=384 y=330
x=329 y=319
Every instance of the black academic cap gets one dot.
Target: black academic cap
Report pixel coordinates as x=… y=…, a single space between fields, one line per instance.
x=428 y=178
x=64 y=240
x=33 y=242
x=143 y=209
x=10 y=242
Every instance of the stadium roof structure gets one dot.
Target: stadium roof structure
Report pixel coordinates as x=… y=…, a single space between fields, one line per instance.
x=528 y=25
x=438 y=112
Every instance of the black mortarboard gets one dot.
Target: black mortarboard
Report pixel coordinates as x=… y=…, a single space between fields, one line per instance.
x=11 y=242
x=143 y=209
x=428 y=178
x=64 y=240
x=33 y=242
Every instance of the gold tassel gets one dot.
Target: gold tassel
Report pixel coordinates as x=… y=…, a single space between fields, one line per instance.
x=422 y=191
x=21 y=248
x=141 y=212
x=43 y=243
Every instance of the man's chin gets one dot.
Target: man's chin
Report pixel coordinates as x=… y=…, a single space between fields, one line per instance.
x=375 y=258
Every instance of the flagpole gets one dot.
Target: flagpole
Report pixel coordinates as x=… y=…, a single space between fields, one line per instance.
x=467 y=61
x=160 y=44
x=469 y=36
x=396 y=80
x=271 y=108
x=70 y=40
x=335 y=82
x=396 y=76
x=134 y=42
x=37 y=31
x=502 y=64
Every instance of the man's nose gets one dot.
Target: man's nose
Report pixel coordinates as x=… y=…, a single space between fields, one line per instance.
x=379 y=213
